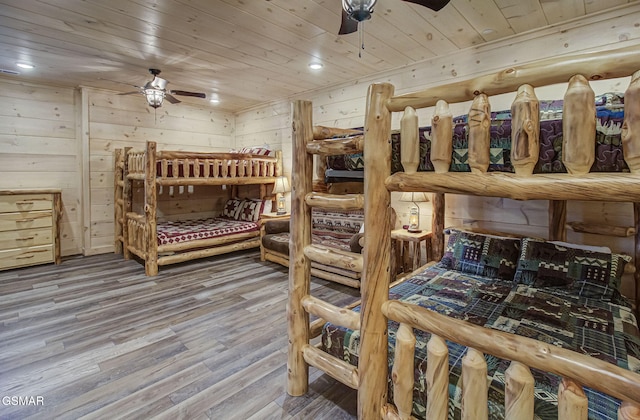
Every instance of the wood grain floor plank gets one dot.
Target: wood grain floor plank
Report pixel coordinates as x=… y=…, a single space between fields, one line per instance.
x=96 y=338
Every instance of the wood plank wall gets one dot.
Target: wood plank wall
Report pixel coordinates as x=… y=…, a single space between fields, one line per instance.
x=39 y=148
x=344 y=106
x=117 y=121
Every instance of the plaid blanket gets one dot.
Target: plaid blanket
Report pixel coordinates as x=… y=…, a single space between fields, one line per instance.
x=606 y=330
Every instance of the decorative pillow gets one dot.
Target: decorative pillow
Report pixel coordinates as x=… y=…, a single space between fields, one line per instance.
x=232 y=208
x=250 y=210
x=486 y=255
x=584 y=273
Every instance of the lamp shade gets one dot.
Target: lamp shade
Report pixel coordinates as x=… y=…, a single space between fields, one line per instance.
x=281 y=185
x=414 y=197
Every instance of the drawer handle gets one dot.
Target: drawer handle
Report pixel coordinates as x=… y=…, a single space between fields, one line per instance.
x=24 y=220
x=28 y=238
x=24 y=257
x=23 y=203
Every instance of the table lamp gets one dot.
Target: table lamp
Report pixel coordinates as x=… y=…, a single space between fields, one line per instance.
x=414 y=211
x=280 y=187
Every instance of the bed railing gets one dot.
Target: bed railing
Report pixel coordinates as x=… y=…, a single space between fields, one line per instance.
x=577 y=370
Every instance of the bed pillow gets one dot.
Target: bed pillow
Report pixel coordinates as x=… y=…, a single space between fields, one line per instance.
x=250 y=210
x=486 y=255
x=232 y=208
x=258 y=150
x=581 y=272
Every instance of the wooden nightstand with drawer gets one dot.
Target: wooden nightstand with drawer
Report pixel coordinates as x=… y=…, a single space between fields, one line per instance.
x=29 y=227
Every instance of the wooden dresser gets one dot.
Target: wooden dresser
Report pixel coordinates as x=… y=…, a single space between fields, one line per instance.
x=29 y=227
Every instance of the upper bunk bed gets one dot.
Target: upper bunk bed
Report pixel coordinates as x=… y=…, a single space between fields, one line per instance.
x=381 y=317
x=161 y=242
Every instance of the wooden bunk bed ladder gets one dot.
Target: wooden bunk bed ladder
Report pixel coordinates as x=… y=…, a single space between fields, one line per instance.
x=302 y=253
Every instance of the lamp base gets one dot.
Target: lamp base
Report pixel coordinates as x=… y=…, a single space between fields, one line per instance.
x=414 y=230
x=280 y=213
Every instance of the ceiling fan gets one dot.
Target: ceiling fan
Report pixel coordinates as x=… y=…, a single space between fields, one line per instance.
x=356 y=11
x=155 y=91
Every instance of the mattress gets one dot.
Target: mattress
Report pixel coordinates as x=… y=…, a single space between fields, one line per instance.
x=606 y=330
x=192 y=230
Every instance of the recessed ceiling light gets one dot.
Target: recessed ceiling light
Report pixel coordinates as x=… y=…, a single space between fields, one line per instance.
x=488 y=31
x=25 y=66
x=214 y=100
x=315 y=66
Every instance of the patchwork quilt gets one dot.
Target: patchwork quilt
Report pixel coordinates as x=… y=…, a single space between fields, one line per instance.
x=601 y=329
x=191 y=230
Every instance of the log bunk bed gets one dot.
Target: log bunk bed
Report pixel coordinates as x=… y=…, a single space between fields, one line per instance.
x=391 y=334
x=158 y=243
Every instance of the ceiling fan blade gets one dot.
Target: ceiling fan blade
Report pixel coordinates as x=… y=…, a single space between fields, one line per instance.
x=129 y=93
x=185 y=93
x=172 y=99
x=348 y=26
x=431 y=4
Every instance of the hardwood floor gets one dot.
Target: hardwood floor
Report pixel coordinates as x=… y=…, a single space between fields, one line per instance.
x=95 y=338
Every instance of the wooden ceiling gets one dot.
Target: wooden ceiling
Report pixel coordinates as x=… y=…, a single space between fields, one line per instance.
x=249 y=52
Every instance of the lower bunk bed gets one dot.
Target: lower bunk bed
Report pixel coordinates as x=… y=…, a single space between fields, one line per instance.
x=580 y=310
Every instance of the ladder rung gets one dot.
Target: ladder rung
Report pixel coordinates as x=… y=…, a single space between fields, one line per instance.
x=334 y=257
x=335 y=201
x=336 y=147
x=334 y=314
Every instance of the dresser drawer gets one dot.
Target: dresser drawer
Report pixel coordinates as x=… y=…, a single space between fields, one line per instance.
x=25 y=220
x=25 y=202
x=13 y=258
x=26 y=237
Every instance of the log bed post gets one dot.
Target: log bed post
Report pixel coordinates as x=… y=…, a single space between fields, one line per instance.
x=631 y=124
x=150 y=210
x=118 y=201
x=557 y=220
x=127 y=204
x=299 y=264
x=437 y=226
x=636 y=257
x=372 y=365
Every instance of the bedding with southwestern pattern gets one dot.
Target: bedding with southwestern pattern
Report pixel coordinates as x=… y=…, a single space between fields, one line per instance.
x=191 y=230
x=486 y=255
x=605 y=330
x=584 y=273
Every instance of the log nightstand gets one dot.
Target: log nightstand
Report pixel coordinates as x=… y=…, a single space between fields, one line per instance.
x=408 y=248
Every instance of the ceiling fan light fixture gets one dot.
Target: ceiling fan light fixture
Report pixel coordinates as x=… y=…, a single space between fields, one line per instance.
x=358 y=10
x=154 y=96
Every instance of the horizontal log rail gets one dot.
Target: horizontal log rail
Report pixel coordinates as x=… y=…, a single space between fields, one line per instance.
x=209 y=252
x=334 y=257
x=599 y=229
x=213 y=181
x=336 y=315
x=180 y=155
x=594 y=66
x=331 y=365
x=335 y=201
x=335 y=147
x=618 y=187
x=321 y=132
x=587 y=371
